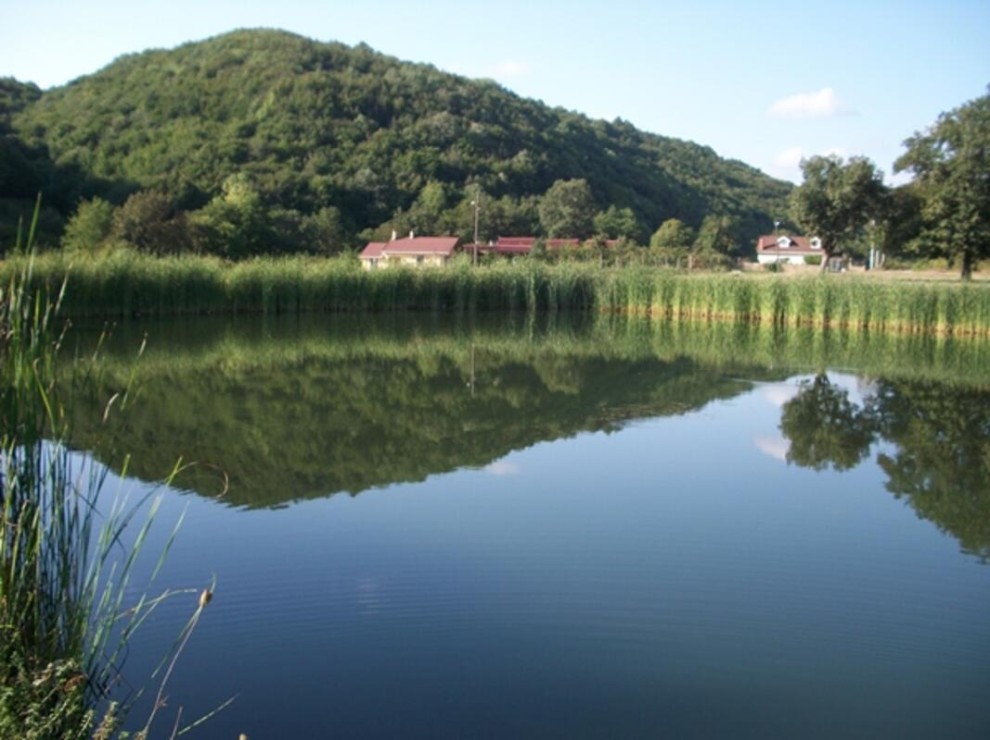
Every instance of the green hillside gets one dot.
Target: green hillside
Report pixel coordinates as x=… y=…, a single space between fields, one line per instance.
x=330 y=144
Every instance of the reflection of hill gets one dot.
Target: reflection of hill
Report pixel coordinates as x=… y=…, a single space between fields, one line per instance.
x=297 y=418
x=292 y=409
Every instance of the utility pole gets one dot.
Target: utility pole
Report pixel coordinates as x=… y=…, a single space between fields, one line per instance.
x=477 y=206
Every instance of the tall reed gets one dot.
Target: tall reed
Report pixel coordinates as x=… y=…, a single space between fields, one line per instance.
x=64 y=630
x=127 y=283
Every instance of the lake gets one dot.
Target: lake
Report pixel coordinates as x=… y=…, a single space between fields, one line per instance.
x=581 y=527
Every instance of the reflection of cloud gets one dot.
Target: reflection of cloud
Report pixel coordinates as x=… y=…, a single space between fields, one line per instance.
x=775 y=447
x=822 y=104
x=511 y=68
x=502 y=467
x=779 y=394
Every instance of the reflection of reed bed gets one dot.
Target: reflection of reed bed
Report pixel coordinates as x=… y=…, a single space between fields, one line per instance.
x=734 y=347
x=126 y=284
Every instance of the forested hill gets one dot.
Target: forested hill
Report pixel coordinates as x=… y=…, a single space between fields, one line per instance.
x=333 y=144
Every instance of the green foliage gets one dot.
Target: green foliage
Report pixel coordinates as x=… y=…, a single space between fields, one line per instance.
x=148 y=222
x=715 y=238
x=836 y=200
x=813 y=259
x=90 y=227
x=566 y=210
x=950 y=162
x=618 y=223
x=825 y=428
x=938 y=454
x=315 y=125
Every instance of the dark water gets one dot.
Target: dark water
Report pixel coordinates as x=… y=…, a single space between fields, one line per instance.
x=429 y=528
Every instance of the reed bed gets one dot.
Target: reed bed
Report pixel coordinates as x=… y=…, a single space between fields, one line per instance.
x=127 y=283
x=828 y=301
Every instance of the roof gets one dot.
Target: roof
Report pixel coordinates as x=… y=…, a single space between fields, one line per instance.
x=768 y=243
x=373 y=250
x=413 y=246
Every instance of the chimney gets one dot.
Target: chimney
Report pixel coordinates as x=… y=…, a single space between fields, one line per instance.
x=393 y=235
x=411 y=234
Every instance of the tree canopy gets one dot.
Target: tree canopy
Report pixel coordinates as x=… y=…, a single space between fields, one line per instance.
x=951 y=162
x=836 y=200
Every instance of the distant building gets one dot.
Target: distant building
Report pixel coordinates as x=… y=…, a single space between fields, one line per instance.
x=512 y=246
x=413 y=250
x=787 y=249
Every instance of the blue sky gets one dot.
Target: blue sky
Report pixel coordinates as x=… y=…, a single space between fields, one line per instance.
x=763 y=82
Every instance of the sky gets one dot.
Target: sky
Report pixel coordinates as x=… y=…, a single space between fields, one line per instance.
x=763 y=82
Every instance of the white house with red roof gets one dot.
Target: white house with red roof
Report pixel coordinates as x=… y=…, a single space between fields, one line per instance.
x=787 y=249
x=415 y=251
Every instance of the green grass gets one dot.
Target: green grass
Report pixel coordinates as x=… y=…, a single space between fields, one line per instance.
x=127 y=283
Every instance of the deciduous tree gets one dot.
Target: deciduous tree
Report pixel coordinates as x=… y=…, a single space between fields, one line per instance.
x=566 y=209
x=836 y=200
x=89 y=227
x=951 y=164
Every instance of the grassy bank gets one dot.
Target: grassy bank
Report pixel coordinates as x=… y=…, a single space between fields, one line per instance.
x=128 y=284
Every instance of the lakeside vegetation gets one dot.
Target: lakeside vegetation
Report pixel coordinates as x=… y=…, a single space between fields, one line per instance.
x=130 y=284
x=68 y=608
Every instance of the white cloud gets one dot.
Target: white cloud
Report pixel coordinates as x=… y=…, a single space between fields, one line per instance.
x=511 y=68
x=775 y=447
x=502 y=467
x=822 y=104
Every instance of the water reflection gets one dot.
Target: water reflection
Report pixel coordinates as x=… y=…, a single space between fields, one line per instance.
x=307 y=409
x=938 y=457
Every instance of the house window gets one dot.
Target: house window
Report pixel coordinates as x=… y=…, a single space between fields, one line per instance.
x=816 y=243
x=419 y=260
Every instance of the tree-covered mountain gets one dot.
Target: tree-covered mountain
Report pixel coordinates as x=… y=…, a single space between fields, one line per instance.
x=328 y=145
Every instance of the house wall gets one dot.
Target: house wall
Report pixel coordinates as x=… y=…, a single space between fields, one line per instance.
x=783 y=257
x=377 y=263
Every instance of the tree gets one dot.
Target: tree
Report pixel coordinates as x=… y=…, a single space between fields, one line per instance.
x=566 y=210
x=149 y=222
x=950 y=162
x=617 y=223
x=672 y=240
x=89 y=227
x=900 y=227
x=236 y=223
x=714 y=244
x=836 y=200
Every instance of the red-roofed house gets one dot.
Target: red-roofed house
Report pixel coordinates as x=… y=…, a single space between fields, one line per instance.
x=790 y=249
x=412 y=250
x=510 y=246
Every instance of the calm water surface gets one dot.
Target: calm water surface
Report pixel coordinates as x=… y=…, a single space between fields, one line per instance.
x=536 y=531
